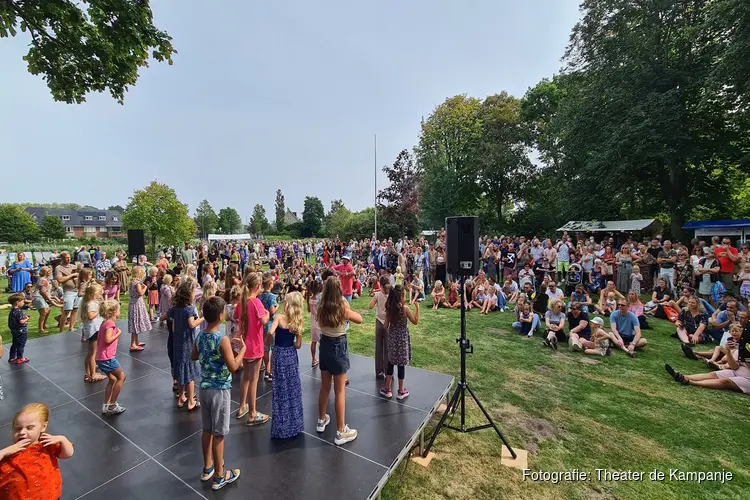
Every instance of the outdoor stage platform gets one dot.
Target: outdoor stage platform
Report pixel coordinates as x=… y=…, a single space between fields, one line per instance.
x=153 y=451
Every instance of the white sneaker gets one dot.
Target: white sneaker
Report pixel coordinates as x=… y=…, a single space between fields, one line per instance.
x=116 y=409
x=346 y=436
x=105 y=409
x=323 y=423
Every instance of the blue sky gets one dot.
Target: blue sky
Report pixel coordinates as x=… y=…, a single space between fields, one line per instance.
x=267 y=95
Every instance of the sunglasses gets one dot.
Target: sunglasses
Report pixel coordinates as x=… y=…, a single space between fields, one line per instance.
x=622 y=305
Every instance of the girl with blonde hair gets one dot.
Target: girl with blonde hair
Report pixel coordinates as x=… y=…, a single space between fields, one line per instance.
x=90 y=323
x=286 y=400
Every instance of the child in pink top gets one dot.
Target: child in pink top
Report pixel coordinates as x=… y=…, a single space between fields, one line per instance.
x=252 y=317
x=106 y=349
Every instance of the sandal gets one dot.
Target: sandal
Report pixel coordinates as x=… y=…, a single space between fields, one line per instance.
x=136 y=348
x=230 y=476
x=207 y=474
x=196 y=405
x=315 y=363
x=141 y=344
x=242 y=411
x=87 y=379
x=181 y=402
x=260 y=418
x=98 y=377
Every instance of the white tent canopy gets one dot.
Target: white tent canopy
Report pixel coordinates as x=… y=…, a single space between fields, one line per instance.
x=227 y=237
x=609 y=226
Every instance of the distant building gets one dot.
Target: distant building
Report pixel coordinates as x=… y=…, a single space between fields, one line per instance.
x=290 y=218
x=86 y=222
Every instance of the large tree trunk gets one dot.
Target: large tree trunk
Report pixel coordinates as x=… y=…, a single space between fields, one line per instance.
x=676 y=209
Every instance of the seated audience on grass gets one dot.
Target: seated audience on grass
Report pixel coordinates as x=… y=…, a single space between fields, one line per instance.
x=609 y=288
x=528 y=321
x=453 y=301
x=416 y=288
x=438 y=294
x=528 y=292
x=692 y=323
x=660 y=297
x=580 y=296
x=490 y=302
x=735 y=378
x=626 y=329
x=579 y=335
x=541 y=301
x=714 y=358
x=479 y=297
x=468 y=290
x=554 y=319
x=510 y=290
x=553 y=292
x=721 y=319
x=608 y=306
x=636 y=307
x=597 y=278
x=600 y=339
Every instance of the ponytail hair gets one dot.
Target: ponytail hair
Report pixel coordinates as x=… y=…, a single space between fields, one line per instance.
x=251 y=282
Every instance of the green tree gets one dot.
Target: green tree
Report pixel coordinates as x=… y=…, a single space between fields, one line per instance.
x=312 y=217
x=360 y=225
x=259 y=222
x=336 y=218
x=16 y=225
x=503 y=165
x=646 y=119
x=116 y=207
x=96 y=48
x=230 y=221
x=205 y=218
x=157 y=211
x=52 y=228
x=446 y=156
x=280 y=211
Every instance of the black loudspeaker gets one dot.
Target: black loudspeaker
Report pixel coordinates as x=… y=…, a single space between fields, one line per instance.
x=136 y=243
x=462 y=245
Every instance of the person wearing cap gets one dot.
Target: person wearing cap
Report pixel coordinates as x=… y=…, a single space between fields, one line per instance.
x=626 y=329
x=345 y=273
x=600 y=339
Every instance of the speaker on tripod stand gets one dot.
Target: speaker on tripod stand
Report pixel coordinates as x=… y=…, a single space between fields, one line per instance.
x=462 y=241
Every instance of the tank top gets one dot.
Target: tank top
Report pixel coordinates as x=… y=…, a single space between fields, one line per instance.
x=284 y=337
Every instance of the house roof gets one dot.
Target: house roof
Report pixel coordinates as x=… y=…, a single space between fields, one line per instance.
x=717 y=224
x=609 y=226
x=78 y=217
x=290 y=217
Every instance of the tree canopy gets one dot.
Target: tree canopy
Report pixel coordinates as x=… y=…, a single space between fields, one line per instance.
x=312 y=217
x=280 y=211
x=16 y=225
x=230 y=221
x=206 y=219
x=157 y=211
x=52 y=228
x=93 y=46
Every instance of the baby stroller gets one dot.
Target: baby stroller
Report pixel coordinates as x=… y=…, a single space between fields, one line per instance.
x=574 y=277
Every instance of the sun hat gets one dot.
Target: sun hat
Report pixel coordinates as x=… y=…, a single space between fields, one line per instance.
x=598 y=321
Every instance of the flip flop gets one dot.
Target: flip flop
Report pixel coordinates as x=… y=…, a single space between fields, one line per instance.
x=197 y=404
x=141 y=344
x=260 y=418
x=98 y=377
x=136 y=348
x=315 y=363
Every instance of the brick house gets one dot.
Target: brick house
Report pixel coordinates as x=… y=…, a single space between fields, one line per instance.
x=86 y=222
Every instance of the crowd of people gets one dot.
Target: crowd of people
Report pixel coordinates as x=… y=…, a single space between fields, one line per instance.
x=561 y=291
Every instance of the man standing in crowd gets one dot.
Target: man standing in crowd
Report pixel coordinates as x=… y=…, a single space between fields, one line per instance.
x=727 y=255
x=187 y=254
x=666 y=260
x=67 y=277
x=84 y=257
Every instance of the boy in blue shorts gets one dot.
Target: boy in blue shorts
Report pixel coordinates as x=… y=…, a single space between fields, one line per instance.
x=214 y=351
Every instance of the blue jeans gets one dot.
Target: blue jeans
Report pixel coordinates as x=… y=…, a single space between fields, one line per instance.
x=534 y=323
x=500 y=300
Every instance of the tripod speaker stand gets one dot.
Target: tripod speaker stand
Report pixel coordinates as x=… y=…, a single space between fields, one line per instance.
x=458 y=400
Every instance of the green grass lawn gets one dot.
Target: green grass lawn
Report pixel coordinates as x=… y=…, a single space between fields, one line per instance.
x=569 y=411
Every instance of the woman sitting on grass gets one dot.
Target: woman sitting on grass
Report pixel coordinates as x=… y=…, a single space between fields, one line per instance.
x=735 y=378
x=714 y=356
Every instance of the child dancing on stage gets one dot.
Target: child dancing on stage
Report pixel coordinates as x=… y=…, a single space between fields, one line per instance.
x=214 y=352
x=399 y=343
x=106 y=349
x=90 y=324
x=18 y=324
x=138 y=318
x=288 y=420
x=184 y=318
x=313 y=298
x=28 y=468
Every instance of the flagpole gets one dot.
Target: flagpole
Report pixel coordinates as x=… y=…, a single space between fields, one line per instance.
x=376 y=187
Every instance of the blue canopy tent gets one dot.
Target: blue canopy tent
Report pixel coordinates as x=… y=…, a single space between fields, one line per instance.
x=735 y=227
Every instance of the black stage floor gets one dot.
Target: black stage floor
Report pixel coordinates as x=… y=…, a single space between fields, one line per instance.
x=152 y=451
